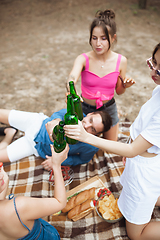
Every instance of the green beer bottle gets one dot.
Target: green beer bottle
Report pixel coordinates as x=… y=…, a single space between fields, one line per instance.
x=76 y=101
x=70 y=118
x=60 y=142
x=56 y=129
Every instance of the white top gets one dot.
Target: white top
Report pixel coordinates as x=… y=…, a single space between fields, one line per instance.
x=147 y=122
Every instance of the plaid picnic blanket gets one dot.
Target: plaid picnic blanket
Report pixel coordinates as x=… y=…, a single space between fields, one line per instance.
x=28 y=178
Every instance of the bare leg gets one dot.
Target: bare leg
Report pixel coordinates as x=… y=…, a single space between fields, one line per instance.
x=112 y=134
x=10 y=132
x=4 y=113
x=149 y=231
x=158 y=202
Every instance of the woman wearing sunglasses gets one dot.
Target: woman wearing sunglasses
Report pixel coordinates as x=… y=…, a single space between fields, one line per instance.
x=141 y=176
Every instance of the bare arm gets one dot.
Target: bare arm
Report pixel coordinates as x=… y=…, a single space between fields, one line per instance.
x=32 y=208
x=4 y=180
x=137 y=147
x=75 y=73
x=123 y=82
x=50 y=125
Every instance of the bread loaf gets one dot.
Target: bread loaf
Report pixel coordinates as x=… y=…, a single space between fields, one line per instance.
x=80 y=198
x=81 y=210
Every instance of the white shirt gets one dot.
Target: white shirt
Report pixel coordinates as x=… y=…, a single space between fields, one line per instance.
x=147 y=122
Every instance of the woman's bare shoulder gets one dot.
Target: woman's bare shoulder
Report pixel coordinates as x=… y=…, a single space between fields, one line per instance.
x=81 y=58
x=123 y=58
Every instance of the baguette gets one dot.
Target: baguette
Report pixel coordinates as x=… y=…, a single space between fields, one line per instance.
x=81 y=210
x=78 y=199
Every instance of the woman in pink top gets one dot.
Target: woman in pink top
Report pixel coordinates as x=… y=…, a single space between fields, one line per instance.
x=102 y=71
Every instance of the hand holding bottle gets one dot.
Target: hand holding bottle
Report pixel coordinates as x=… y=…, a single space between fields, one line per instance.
x=76 y=100
x=56 y=158
x=50 y=126
x=76 y=132
x=70 y=117
x=59 y=142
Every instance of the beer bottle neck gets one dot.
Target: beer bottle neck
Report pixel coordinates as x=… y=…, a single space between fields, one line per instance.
x=61 y=124
x=72 y=88
x=60 y=136
x=70 y=105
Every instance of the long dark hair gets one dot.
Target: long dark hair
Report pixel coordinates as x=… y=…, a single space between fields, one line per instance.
x=157 y=47
x=106 y=120
x=104 y=19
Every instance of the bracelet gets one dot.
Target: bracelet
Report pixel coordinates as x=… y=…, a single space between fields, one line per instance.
x=124 y=85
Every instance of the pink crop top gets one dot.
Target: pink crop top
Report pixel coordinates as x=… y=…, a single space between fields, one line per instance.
x=95 y=87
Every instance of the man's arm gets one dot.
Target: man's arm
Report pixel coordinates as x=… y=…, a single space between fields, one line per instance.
x=55 y=119
x=50 y=126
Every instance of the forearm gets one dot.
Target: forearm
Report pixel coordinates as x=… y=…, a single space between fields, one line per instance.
x=118 y=148
x=4 y=193
x=120 y=89
x=59 y=187
x=70 y=78
x=139 y=146
x=76 y=70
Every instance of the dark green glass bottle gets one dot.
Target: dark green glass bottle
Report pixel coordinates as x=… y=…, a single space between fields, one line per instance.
x=70 y=118
x=56 y=129
x=60 y=142
x=76 y=101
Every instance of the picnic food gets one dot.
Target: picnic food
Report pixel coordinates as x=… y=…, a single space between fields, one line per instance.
x=108 y=207
x=79 y=198
x=81 y=210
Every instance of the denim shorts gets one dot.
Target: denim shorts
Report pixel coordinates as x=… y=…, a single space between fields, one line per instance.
x=109 y=107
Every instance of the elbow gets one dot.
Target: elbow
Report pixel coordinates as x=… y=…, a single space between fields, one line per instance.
x=131 y=153
x=120 y=92
x=63 y=204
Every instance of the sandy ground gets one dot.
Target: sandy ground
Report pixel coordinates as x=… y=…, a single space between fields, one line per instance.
x=39 y=40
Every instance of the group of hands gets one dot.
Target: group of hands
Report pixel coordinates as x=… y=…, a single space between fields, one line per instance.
x=76 y=132
x=73 y=131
